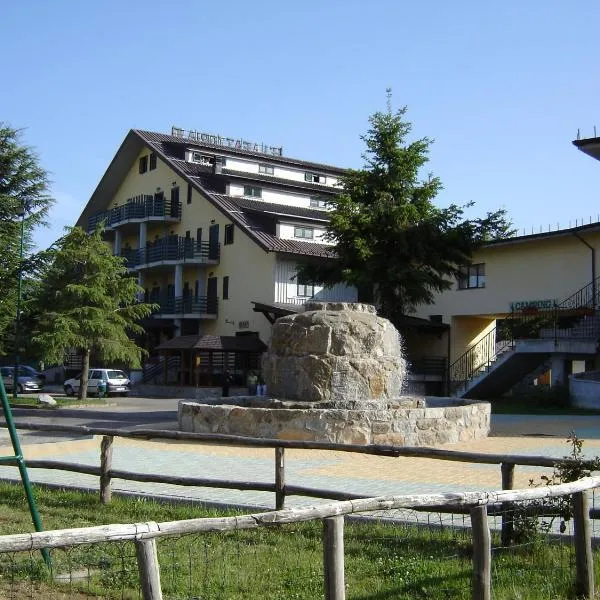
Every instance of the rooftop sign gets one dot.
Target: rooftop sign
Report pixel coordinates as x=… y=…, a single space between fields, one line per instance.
x=217 y=140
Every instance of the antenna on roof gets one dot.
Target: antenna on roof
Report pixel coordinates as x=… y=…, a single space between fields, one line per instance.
x=388 y=93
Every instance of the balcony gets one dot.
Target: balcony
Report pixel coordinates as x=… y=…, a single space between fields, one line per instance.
x=138 y=209
x=186 y=306
x=172 y=250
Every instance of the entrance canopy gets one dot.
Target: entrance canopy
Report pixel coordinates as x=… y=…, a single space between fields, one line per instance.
x=202 y=359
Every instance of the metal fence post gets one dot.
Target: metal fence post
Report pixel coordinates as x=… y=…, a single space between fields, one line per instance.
x=333 y=557
x=482 y=554
x=584 y=560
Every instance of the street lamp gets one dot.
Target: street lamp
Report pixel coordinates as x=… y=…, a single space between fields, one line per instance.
x=23 y=208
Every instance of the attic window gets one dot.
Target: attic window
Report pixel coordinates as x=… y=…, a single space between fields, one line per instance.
x=143 y=164
x=203 y=159
x=314 y=178
x=266 y=169
x=152 y=161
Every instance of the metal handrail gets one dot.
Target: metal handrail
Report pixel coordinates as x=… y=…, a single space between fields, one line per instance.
x=143 y=206
x=565 y=320
x=171 y=248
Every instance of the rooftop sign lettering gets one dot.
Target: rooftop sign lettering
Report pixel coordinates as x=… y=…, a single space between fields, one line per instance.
x=227 y=142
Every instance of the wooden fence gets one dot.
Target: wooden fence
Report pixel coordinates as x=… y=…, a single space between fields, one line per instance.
x=477 y=504
x=144 y=535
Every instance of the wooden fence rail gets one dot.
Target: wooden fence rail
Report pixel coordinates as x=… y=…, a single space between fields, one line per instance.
x=332 y=516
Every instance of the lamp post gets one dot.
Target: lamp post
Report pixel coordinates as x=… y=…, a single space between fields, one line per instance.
x=22 y=211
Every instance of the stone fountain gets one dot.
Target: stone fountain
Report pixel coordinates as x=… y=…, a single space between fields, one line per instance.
x=335 y=373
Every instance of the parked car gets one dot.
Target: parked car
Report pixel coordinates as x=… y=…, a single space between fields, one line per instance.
x=25 y=383
x=117 y=382
x=27 y=371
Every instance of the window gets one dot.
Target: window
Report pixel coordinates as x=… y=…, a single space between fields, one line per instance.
x=254 y=192
x=228 y=234
x=318 y=202
x=152 y=161
x=143 y=166
x=174 y=195
x=305 y=289
x=205 y=161
x=314 y=178
x=189 y=193
x=226 y=287
x=306 y=233
x=472 y=276
x=266 y=169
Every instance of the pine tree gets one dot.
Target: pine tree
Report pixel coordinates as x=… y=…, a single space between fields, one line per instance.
x=24 y=202
x=391 y=241
x=88 y=302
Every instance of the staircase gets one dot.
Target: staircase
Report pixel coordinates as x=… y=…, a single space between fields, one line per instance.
x=155 y=372
x=491 y=367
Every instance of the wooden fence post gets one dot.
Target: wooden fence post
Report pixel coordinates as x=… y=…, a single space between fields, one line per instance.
x=482 y=554
x=508 y=480
x=584 y=561
x=333 y=557
x=106 y=451
x=279 y=478
x=149 y=570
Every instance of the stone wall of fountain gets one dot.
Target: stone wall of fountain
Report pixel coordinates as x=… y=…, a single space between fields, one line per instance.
x=335 y=374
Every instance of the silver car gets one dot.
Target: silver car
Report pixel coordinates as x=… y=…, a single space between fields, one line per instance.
x=25 y=383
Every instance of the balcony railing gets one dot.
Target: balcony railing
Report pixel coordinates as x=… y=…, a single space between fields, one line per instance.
x=140 y=207
x=172 y=248
x=188 y=305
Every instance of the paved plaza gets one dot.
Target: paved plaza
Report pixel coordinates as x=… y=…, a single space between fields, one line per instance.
x=356 y=473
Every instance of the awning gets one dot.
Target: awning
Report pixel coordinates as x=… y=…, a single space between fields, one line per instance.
x=275 y=310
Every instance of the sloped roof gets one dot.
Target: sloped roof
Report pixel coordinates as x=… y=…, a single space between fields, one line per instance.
x=159 y=138
x=233 y=208
x=215 y=343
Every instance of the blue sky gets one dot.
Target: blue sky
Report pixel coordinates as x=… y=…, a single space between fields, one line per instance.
x=502 y=88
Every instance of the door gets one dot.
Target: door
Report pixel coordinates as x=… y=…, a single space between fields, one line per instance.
x=213 y=242
x=94 y=377
x=211 y=296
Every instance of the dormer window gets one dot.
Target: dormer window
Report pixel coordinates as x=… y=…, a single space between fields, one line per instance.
x=252 y=191
x=318 y=202
x=266 y=169
x=203 y=159
x=315 y=178
x=306 y=233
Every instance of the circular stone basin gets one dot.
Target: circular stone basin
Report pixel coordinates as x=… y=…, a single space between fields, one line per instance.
x=405 y=421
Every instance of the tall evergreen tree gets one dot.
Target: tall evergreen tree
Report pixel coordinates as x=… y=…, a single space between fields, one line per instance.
x=392 y=242
x=89 y=303
x=24 y=204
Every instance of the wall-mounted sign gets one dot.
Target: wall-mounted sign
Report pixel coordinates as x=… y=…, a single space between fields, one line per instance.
x=227 y=142
x=525 y=304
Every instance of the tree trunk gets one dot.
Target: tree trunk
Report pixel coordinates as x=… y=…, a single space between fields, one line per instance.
x=85 y=370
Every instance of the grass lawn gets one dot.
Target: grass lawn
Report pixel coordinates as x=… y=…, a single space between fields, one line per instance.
x=382 y=561
x=31 y=401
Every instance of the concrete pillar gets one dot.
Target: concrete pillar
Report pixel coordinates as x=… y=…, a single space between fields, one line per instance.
x=143 y=235
x=558 y=368
x=178 y=281
x=201 y=277
x=141 y=280
x=117 y=243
